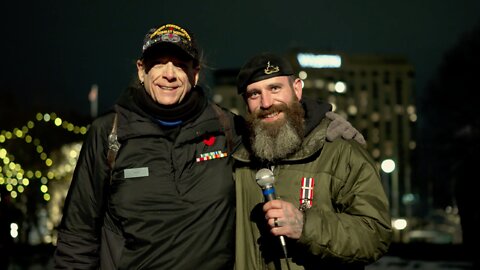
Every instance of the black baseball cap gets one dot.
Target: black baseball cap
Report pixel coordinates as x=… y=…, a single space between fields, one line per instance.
x=260 y=67
x=171 y=34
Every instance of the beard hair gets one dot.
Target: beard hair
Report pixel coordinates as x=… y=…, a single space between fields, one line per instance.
x=277 y=140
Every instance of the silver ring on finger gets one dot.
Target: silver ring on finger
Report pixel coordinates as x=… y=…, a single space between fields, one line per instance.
x=275 y=221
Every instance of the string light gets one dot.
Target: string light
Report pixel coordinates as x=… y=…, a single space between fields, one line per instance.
x=14 y=178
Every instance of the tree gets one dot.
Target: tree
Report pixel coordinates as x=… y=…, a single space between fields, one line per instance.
x=451 y=131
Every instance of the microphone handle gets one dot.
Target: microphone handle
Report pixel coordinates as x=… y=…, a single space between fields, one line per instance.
x=284 y=244
x=269 y=194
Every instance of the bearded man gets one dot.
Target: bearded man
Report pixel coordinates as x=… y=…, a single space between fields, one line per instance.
x=329 y=209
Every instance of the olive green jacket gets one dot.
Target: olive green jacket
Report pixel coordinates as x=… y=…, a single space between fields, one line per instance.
x=348 y=224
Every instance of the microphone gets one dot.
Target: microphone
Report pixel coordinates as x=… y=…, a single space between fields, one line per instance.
x=265 y=180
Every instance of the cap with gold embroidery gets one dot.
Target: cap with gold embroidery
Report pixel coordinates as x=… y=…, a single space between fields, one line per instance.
x=171 y=34
x=260 y=67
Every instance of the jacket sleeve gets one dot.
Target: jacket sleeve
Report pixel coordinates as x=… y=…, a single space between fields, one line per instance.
x=78 y=243
x=356 y=228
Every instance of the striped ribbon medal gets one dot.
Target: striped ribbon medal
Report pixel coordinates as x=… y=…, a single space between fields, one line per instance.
x=211 y=155
x=306 y=193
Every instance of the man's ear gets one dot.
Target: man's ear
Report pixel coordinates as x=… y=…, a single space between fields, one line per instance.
x=140 y=70
x=196 y=75
x=298 y=88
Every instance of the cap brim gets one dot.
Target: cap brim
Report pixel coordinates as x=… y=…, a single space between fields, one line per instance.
x=166 y=48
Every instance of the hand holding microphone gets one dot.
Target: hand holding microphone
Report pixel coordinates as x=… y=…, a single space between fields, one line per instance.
x=279 y=211
x=265 y=180
x=284 y=218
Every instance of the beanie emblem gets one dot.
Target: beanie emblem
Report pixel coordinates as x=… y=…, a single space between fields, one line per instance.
x=271 y=69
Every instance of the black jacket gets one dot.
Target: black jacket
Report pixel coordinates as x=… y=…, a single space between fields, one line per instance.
x=171 y=201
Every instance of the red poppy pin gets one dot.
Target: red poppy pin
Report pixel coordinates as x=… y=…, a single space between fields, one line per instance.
x=209 y=141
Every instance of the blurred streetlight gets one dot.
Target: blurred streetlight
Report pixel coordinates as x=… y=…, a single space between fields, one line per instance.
x=388 y=167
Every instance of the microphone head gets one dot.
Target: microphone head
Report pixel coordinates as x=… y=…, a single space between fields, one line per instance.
x=265 y=178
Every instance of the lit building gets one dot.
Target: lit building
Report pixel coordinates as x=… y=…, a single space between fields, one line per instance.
x=375 y=94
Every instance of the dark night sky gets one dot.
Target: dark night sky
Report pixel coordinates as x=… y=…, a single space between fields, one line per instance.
x=53 y=52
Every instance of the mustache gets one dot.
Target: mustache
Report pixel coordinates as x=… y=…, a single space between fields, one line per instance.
x=262 y=113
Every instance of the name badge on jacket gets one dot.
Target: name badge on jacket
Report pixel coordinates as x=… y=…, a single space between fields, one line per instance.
x=135 y=172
